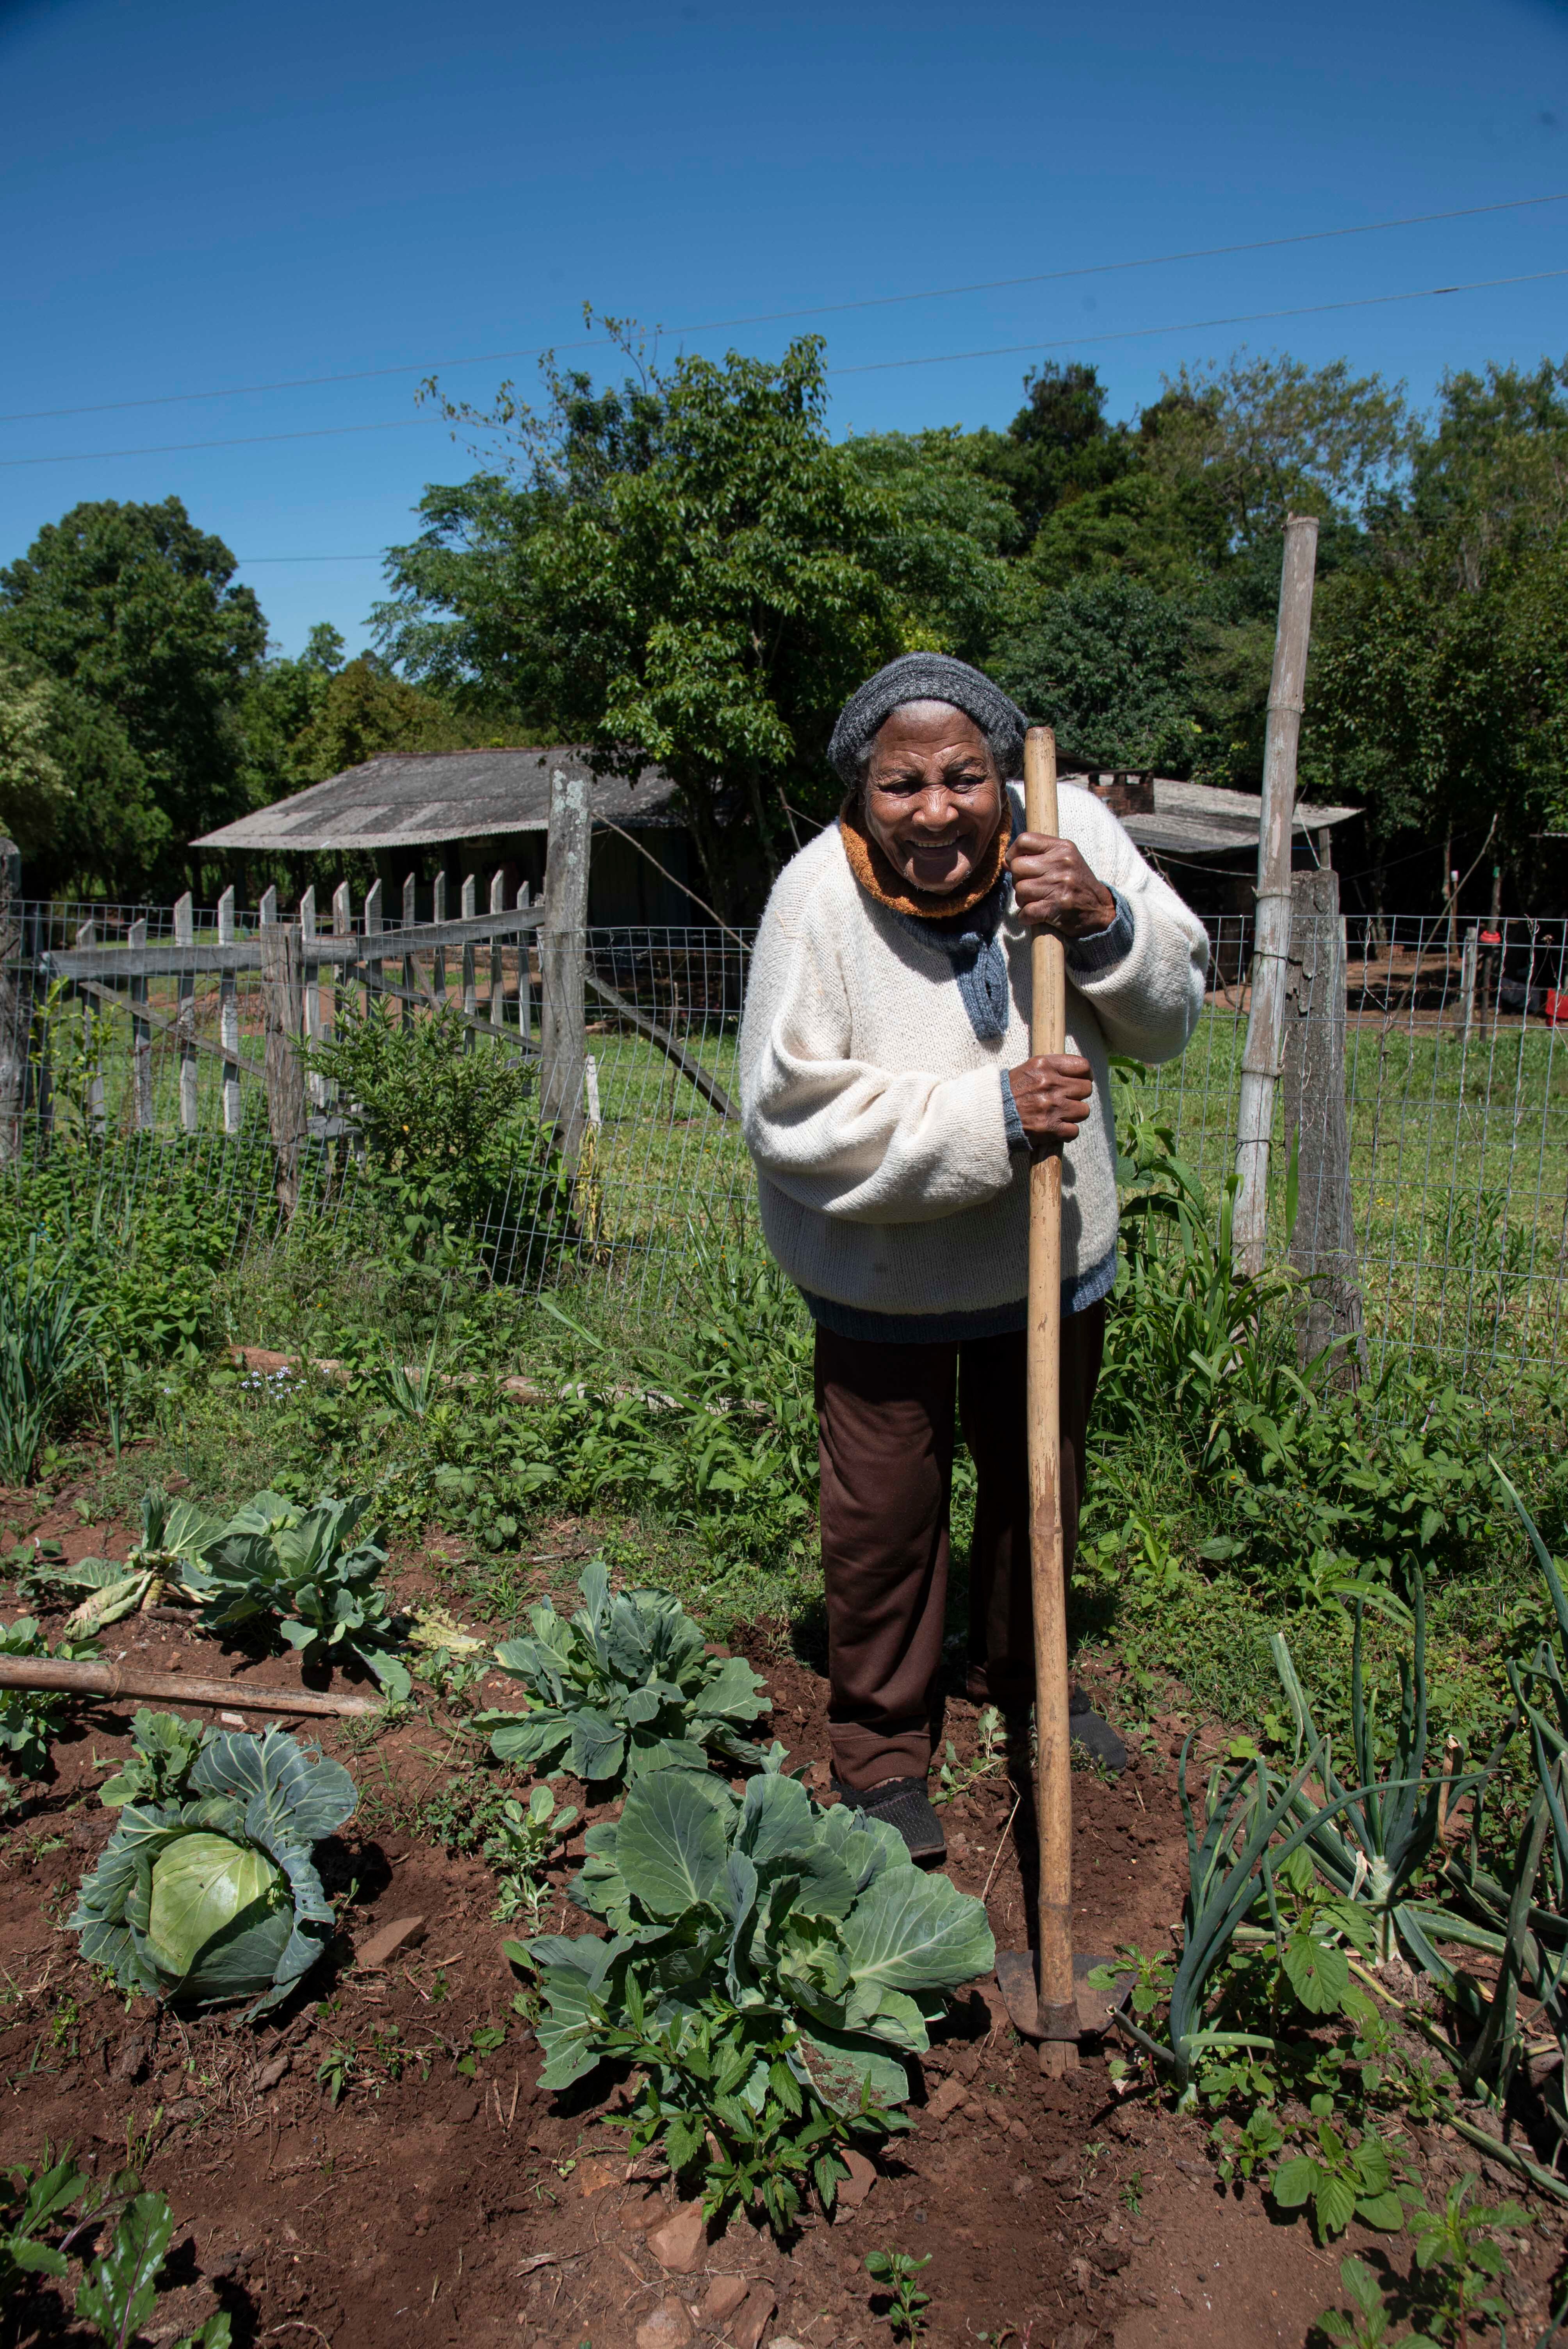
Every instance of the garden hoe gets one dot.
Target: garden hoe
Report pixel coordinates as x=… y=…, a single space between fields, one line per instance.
x=1047 y=1991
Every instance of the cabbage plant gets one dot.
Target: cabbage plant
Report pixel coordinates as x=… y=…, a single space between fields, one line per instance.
x=317 y=1573
x=622 y=1687
x=165 y=1563
x=770 y=1969
x=216 y=1896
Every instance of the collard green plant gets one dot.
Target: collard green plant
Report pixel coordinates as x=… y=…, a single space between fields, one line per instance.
x=27 y=1716
x=622 y=1688
x=770 y=1969
x=317 y=1572
x=217 y=1897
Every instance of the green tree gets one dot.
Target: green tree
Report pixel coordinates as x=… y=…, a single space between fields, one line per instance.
x=1109 y=663
x=131 y=609
x=685 y=577
x=364 y=710
x=34 y=792
x=1057 y=447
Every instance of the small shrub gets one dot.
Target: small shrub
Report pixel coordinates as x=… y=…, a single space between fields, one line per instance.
x=48 y=1328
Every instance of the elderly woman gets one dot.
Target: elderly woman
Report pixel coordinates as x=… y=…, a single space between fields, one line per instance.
x=891 y=1106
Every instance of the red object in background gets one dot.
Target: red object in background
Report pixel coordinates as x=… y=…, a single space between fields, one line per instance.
x=1491 y=938
x=1554 y=1008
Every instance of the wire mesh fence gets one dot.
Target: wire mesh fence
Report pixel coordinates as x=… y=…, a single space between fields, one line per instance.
x=1454 y=1108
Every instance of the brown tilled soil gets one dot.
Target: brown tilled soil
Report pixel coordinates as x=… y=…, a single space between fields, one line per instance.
x=444 y=2200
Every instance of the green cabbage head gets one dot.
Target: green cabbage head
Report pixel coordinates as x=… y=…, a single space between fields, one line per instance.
x=216 y=1898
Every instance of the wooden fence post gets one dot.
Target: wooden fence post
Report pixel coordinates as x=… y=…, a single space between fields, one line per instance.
x=141 y=1043
x=563 y=945
x=1271 y=936
x=524 y=974
x=497 y=959
x=283 y=1009
x=373 y=928
x=97 y=1117
x=468 y=905
x=438 y=914
x=13 y=998
x=311 y=974
x=410 y=978
x=1322 y=1246
x=1467 y=985
x=185 y=1016
x=229 y=1018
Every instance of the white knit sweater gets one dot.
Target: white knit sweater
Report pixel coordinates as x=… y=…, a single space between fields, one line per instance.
x=875 y=1115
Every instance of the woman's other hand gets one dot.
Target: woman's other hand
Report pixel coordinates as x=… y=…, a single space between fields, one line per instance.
x=1055 y=888
x=1052 y=1095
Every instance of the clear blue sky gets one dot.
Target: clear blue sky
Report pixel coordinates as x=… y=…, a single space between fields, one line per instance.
x=201 y=196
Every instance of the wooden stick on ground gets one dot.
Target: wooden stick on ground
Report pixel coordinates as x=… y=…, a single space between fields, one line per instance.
x=90 y=1679
x=1053 y=1778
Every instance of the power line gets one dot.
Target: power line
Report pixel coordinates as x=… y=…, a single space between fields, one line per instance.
x=247 y=562
x=872 y=367
x=818 y=310
x=249 y=440
x=1197 y=325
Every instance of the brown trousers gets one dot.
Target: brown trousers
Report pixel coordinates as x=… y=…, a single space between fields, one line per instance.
x=885 y=1417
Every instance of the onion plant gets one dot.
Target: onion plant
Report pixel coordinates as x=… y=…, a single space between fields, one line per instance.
x=1375 y=1843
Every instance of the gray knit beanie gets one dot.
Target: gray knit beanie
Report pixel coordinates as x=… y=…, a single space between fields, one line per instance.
x=928 y=677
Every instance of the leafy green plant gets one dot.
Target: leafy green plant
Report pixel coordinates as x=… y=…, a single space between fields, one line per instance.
x=217 y=1897
x=1240 y=2151
x=520 y=1848
x=47 y=1340
x=28 y=1716
x=1456 y=2247
x=1524 y=1920
x=32 y=2204
x=158 y=1769
x=317 y=1572
x=894 y=2272
x=117 y=2293
x=955 y=1777
x=1386 y=1829
x=167 y=1561
x=1365 y=2323
x=1341 y=2181
x=117 y=2290
x=454 y=1143
x=1227 y=1868
x=622 y=1687
x=770 y=1967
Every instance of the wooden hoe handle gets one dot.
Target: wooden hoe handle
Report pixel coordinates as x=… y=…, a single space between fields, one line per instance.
x=1053 y=1780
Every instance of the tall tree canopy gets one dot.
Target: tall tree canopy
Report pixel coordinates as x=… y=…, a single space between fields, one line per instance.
x=684 y=574
x=131 y=612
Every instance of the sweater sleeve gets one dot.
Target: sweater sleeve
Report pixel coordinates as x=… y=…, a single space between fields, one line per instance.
x=854 y=1142
x=1149 y=998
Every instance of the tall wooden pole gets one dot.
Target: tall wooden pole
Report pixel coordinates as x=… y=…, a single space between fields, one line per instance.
x=1271 y=934
x=563 y=940
x=1053 y=1773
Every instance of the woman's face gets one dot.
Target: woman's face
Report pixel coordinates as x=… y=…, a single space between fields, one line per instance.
x=933 y=796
